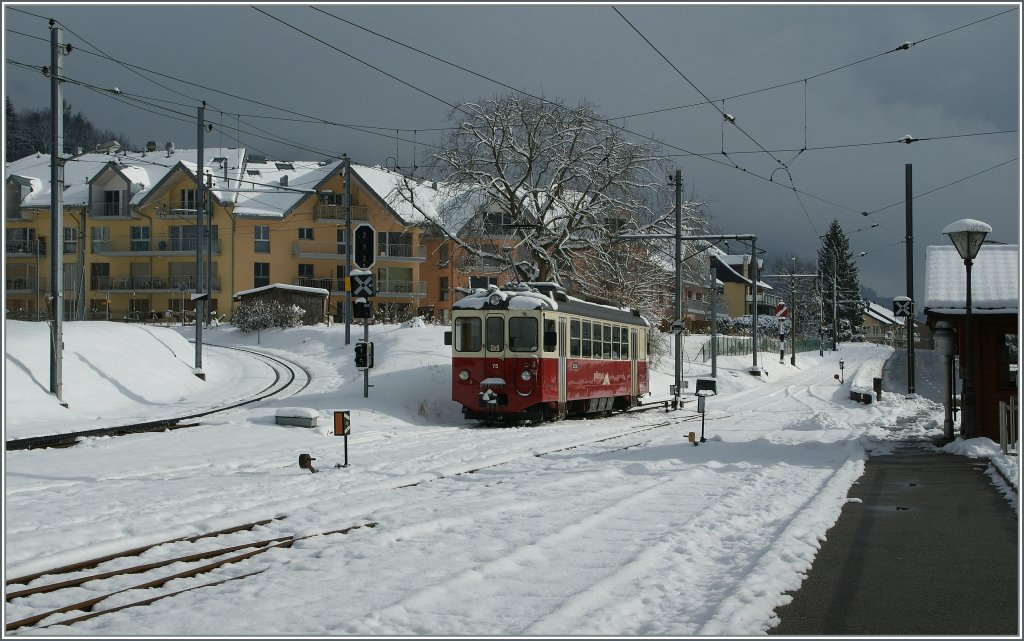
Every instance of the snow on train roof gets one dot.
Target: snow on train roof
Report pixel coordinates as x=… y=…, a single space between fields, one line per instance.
x=519 y=296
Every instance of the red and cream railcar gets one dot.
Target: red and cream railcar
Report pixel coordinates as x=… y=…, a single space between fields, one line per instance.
x=529 y=351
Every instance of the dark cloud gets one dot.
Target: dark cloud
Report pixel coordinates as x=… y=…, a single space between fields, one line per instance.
x=959 y=79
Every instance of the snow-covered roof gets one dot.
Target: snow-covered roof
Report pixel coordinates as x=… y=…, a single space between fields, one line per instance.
x=261 y=194
x=295 y=288
x=995 y=280
x=143 y=169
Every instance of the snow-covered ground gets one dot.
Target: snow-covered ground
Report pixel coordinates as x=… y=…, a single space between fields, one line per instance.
x=634 y=532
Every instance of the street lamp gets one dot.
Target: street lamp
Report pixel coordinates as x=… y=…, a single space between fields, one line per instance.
x=967 y=236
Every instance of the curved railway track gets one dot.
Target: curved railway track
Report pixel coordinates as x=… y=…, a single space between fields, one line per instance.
x=288 y=377
x=105 y=584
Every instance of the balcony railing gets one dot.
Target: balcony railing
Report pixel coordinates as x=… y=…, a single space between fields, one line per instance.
x=330 y=284
x=15 y=248
x=390 y=287
x=312 y=248
x=21 y=284
x=109 y=210
x=403 y=251
x=148 y=283
x=179 y=209
x=158 y=245
x=337 y=212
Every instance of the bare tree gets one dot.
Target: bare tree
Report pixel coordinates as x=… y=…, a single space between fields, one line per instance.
x=544 y=188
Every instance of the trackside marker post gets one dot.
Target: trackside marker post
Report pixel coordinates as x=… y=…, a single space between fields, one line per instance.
x=342 y=427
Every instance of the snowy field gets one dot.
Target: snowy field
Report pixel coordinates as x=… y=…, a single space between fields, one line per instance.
x=632 y=532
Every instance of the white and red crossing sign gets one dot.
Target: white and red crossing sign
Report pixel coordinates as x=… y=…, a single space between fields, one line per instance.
x=781 y=311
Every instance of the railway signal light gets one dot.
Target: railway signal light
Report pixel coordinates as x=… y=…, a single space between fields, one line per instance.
x=364 y=355
x=362 y=252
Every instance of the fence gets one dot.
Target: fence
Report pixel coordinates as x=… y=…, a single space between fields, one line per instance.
x=1008 y=426
x=740 y=346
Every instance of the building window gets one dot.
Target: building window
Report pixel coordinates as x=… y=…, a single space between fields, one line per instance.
x=444 y=288
x=497 y=222
x=261 y=234
x=391 y=243
x=70 y=240
x=306 y=275
x=341 y=242
x=442 y=256
x=140 y=239
x=111 y=203
x=100 y=239
x=481 y=282
x=188 y=199
x=305 y=233
x=260 y=274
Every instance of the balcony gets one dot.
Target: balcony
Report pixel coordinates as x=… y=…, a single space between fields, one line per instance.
x=403 y=251
x=401 y=288
x=333 y=285
x=24 y=248
x=159 y=246
x=25 y=284
x=104 y=210
x=335 y=213
x=175 y=283
x=330 y=249
x=177 y=210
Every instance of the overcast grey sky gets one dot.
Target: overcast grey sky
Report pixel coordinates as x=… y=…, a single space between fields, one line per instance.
x=843 y=91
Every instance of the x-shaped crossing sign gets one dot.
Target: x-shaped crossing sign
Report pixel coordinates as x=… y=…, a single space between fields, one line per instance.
x=362 y=285
x=902 y=307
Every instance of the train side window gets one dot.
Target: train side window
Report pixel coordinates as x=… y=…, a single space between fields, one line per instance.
x=550 y=336
x=574 y=338
x=495 y=333
x=616 y=342
x=607 y=348
x=624 y=344
x=586 y=339
x=467 y=334
x=522 y=334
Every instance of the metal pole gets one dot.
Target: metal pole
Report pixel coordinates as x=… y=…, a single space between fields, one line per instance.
x=835 y=312
x=677 y=336
x=56 y=214
x=910 y=277
x=208 y=213
x=967 y=420
x=714 y=320
x=366 y=372
x=200 y=198
x=347 y=203
x=753 y=295
x=792 y=318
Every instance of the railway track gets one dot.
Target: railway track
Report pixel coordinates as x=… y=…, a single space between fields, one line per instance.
x=107 y=575
x=288 y=377
x=105 y=584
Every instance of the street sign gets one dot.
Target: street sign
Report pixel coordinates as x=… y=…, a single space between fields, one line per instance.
x=902 y=307
x=677 y=327
x=362 y=251
x=362 y=285
x=781 y=311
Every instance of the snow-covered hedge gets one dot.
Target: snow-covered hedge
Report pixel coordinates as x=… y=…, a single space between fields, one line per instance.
x=261 y=314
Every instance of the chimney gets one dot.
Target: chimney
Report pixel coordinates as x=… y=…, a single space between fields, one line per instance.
x=284 y=181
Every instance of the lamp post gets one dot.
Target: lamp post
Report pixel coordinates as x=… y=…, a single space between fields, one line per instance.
x=967 y=236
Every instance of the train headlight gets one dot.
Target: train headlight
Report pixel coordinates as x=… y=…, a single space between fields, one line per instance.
x=525 y=375
x=464 y=375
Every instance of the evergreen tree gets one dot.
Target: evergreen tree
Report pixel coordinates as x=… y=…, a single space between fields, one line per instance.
x=28 y=132
x=840 y=283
